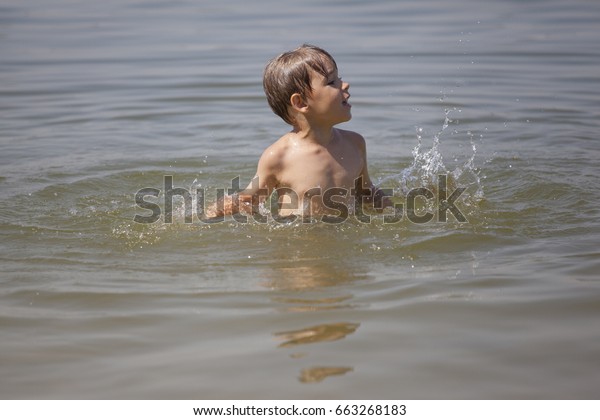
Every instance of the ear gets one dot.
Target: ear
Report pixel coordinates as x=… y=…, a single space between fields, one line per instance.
x=298 y=103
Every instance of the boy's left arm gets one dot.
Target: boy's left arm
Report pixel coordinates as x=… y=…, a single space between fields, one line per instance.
x=377 y=199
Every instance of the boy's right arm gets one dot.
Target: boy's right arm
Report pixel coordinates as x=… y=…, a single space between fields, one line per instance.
x=260 y=188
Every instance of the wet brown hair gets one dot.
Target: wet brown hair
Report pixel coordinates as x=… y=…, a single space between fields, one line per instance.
x=289 y=73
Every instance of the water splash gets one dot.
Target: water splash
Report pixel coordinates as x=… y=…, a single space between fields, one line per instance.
x=428 y=164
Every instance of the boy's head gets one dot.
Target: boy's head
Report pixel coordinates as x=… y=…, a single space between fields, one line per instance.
x=290 y=73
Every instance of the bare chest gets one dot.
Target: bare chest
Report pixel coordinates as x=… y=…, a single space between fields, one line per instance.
x=322 y=168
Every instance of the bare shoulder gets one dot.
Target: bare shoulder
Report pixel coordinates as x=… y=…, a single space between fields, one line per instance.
x=273 y=156
x=355 y=138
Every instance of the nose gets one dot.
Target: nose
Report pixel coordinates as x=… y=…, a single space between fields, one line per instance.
x=345 y=85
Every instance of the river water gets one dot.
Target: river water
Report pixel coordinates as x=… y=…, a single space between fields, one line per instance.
x=101 y=99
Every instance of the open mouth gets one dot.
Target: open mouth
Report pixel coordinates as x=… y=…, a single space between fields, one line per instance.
x=345 y=101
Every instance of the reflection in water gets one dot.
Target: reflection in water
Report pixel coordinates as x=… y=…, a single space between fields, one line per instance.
x=316 y=334
x=318 y=373
x=305 y=259
x=310 y=278
x=311 y=275
x=308 y=282
x=314 y=304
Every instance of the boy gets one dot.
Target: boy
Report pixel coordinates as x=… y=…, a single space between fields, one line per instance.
x=316 y=169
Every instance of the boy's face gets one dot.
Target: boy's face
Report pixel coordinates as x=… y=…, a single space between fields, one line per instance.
x=328 y=101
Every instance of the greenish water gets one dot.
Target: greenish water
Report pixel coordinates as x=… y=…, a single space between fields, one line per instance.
x=100 y=100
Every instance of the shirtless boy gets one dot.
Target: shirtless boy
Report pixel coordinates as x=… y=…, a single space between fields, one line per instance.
x=316 y=169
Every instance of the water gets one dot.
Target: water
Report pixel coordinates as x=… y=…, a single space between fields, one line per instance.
x=101 y=99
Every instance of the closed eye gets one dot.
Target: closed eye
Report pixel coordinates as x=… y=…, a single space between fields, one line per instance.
x=332 y=82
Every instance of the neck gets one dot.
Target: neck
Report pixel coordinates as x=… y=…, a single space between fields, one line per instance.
x=320 y=135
